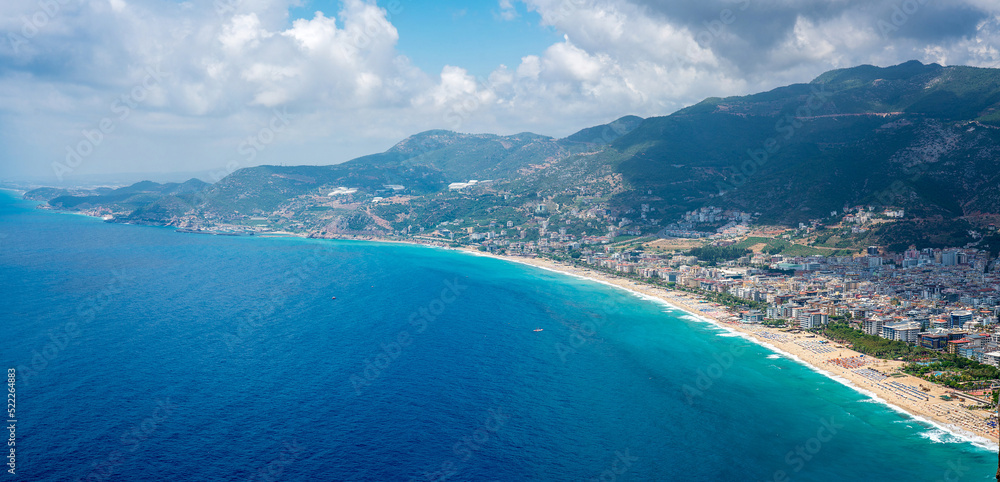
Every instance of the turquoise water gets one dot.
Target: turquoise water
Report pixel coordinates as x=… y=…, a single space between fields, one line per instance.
x=145 y=354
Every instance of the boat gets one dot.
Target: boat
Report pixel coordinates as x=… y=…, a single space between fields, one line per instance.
x=333 y=297
x=537 y=329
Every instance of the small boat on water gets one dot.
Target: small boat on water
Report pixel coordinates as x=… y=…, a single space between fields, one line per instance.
x=333 y=297
x=537 y=329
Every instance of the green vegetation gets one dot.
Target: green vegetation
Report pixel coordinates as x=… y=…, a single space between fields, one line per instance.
x=787 y=248
x=874 y=345
x=715 y=254
x=620 y=239
x=991 y=243
x=808 y=176
x=956 y=372
x=724 y=299
x=358 y=221
x=925 y=233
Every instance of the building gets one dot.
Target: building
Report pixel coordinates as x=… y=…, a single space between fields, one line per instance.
x=941 y=323
x=906 y=331
x=343 y=191
x=949 y=258
x=812 y=319
x=872 y=326
x=960 y=318
x=458 y=186
x=992 y=358
x=955 y=345
x=933 y=341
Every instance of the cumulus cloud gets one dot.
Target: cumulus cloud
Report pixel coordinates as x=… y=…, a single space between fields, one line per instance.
x=227 y=66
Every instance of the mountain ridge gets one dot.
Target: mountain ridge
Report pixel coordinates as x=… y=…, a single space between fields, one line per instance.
x=924 y=138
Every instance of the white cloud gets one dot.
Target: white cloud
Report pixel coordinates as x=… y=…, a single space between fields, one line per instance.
x=117 y=5
x=243 y=32
x=507 y=10
x=530 y=67
x=342 y=77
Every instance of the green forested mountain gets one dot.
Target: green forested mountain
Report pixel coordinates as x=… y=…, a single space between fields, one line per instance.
x=468 y=156
x=921 y=137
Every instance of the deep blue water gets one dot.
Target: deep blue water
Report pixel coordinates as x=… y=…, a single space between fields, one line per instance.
x=146 y=354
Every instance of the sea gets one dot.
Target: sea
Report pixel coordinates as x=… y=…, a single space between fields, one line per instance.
x=143 y=354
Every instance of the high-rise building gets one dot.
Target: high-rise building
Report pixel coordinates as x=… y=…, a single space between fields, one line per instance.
x=949 y=258
x=872 y=326
x=959 y=318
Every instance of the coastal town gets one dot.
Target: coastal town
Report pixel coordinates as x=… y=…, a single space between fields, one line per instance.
x=805 y=301
x=542 y=240
x=809 y=291
x=942 y=299
x=941 y=302
x=773 y=284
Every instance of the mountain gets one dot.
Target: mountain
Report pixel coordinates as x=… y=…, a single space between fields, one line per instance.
x=128 y=197
x=423 y=163
x=468 y=156
x=607 y=133
x=925 y=138
x=264 y=188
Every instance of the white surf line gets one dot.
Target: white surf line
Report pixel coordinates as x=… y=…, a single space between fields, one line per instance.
x=955 y=431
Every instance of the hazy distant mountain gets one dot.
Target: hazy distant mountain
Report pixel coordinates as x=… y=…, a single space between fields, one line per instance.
x=129 y=197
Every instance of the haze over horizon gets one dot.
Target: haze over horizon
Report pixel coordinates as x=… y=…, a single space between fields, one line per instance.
x=143 y=86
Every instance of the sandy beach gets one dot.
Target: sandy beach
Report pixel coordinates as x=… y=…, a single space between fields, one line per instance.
x=880 y=379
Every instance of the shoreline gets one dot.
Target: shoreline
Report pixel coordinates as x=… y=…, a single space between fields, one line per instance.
x=898 y=393
x=947 y=417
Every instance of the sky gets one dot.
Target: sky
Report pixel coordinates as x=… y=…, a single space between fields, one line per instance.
x=96 y=87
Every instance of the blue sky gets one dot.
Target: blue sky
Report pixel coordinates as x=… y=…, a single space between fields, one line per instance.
x=95 y=87
x=470 y=34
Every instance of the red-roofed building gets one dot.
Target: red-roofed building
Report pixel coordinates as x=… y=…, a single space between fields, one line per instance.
x=954 y=345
